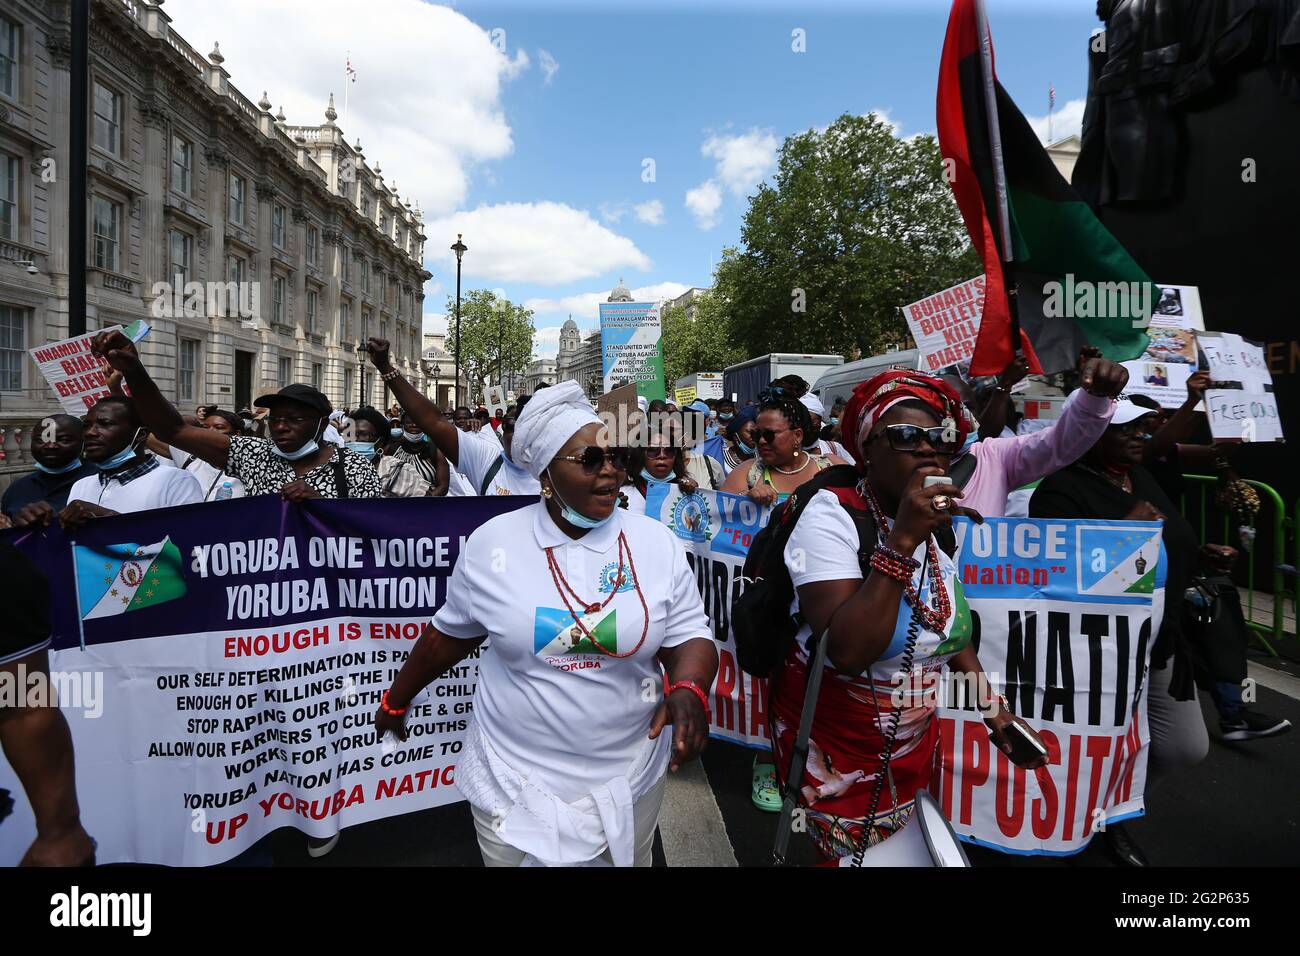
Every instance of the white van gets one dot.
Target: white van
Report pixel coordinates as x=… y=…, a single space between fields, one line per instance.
x=839 y=382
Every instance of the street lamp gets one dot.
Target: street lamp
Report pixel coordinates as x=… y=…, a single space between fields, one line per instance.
x=460 y=249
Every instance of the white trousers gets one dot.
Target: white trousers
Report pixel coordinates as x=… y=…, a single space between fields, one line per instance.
x=645 y=814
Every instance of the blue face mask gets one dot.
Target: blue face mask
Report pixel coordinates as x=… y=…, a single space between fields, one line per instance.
x=726 y=416
x=70 y=466
x=971 y=439
x=395 y=432
x=366 y=449
x=308 y=449
x=121 y=458
x=745 y=449
x=671 y=476
x=835 y=421
x=580 y=520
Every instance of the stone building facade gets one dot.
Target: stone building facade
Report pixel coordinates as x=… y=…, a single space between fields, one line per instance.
x=289 y=246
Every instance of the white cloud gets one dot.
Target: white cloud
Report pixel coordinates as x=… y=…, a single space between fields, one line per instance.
x=585 y=306
x=612 y=212
x=434 y=322
x=651 y=213
x=546 y=342
x=549 y=66
x=884 y=117
x=742 y=161
x=704 y=201
x=1067 y=121
x=546 y=243
x=427 y=132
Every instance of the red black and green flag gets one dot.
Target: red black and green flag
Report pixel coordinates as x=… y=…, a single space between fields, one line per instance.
x=1028 y=224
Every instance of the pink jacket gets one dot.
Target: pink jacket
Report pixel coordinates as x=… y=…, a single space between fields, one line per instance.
x=1004 y=464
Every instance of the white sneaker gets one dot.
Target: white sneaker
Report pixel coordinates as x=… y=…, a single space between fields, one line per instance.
x=317 y=847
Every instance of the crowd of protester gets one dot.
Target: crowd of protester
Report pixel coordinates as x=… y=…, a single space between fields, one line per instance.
x=1108 y=456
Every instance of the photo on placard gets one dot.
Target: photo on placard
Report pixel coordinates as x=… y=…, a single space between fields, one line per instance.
x=1171 y=345
x=1155 y=374
x=1170 y=301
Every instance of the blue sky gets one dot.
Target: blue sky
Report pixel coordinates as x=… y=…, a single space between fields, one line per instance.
x=526 y=125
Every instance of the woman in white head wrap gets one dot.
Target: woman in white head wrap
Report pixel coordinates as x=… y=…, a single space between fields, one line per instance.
x=819 y=445
x=598 y=641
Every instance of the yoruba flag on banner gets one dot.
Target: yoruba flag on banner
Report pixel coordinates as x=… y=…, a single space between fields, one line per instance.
x=1117 y=560
x=117 y=578
x=1077 y=285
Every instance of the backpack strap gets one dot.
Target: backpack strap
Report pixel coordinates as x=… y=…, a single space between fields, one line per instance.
x=490 y=474
x=340 y=479
x=799 y=754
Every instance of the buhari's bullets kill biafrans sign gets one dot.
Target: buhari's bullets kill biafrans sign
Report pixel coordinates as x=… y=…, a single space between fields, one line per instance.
x=946 y=324
x=1064 y=614
x=717 y=530
x=242 y=668
x=75 y=375
x=631 y=342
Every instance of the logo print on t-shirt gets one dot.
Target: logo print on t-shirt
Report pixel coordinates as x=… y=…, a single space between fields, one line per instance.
x=555 y=633
x=609 y=574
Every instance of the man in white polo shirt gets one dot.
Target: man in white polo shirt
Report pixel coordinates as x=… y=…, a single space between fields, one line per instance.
x=127 y=478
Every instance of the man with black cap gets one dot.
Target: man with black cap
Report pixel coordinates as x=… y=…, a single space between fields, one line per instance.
x=294 y=463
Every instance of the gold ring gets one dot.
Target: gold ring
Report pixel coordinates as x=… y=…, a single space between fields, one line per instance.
x=941 y=502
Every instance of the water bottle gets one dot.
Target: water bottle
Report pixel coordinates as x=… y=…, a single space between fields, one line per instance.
x=225 y=492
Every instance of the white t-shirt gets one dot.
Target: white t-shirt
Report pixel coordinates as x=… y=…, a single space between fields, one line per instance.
x=824 y=547
x=210 y=477
x=569 y=721
x=478 y=455
x=162 y=487
x=458 y=485
x=832 y=448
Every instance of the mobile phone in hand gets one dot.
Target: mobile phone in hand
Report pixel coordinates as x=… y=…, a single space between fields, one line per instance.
x=1024 y=748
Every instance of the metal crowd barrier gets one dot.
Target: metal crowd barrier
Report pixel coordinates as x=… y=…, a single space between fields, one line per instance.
x=1275 y=530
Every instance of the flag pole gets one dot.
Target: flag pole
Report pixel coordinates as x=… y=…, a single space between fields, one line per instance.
x=999 y=170
x=76 y=595
x=346 y=77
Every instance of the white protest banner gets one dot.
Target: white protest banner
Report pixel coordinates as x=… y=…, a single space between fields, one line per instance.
x=75 y=375
x=946 y=324
x=494 y=400
x=1066 y=613
x=1241 y=405
x=1162 y=371
x=221 y=682
x=717 y=530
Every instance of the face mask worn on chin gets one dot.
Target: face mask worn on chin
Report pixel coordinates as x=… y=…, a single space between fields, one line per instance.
x=745 y=449
x=577 y=519
x=309 y=448
x=651 y=479
x=70 y=466
x=122 y=457
x=366 y=449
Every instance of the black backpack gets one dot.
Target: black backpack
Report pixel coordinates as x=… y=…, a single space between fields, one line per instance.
x=760 y=615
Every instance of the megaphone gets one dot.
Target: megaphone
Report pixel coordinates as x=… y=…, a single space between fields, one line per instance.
x=926 y=839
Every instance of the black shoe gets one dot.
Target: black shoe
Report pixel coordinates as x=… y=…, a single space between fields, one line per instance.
x=1251 y=724
x=1122 y=847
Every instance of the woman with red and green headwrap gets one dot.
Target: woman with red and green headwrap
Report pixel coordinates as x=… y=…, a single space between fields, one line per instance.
x=901 y=613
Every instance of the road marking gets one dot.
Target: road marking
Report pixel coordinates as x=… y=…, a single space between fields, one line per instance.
x=690 y=824
x=1276 y=680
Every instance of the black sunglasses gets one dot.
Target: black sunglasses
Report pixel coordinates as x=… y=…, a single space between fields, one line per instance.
x=593 y=458
x=769 y=434
x=908 y=438
x=656 y=451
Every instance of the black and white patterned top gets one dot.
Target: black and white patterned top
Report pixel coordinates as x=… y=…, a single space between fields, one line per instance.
x=264 y=473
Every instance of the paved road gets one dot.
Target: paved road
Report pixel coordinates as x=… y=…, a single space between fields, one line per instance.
x=1237 y=808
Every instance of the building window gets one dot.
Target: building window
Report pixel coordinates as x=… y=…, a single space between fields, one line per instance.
x=236 y=268
x=8 y=197
x=365 y=277
x=365 y=205
x=13 y=347
x=317 y=375
x=383 y=328
x=286 y=371
x=9 y=47
x=107 y=217
x=277 y=226
x=182 y=164
x=277 y=299
x=181 y=244
x=108 y=119
x=312 y=237
x=189 y=364
x=345 y=322
x=236 y=211
x=383 y=222
x=311 y=310
x=345 y=263
x=347 y=385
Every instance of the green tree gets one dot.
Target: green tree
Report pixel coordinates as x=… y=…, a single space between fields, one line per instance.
x=496 y=338
x=703 y=343
x=857 y=224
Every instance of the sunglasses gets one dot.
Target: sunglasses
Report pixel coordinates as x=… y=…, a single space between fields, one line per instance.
x=593 y=459
x=287 y=419
x=768 y=434
x=1141 y=426
x=909 y=438
x=660 y=452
